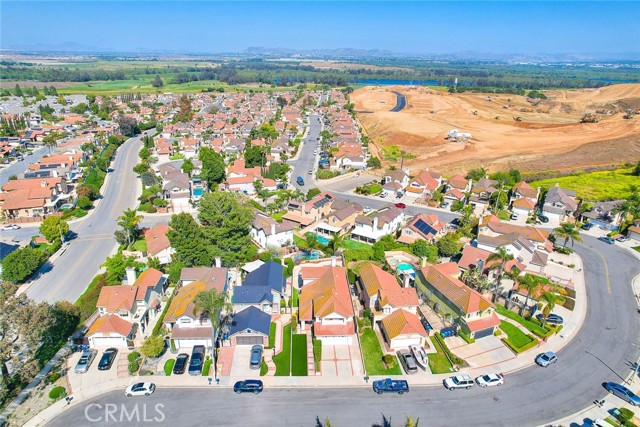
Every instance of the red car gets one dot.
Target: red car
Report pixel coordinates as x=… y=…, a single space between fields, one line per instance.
x=400 y=205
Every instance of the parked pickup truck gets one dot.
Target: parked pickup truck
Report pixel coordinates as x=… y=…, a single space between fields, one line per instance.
x=391 y=386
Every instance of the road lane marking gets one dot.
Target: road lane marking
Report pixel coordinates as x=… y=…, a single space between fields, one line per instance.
x=606 y=271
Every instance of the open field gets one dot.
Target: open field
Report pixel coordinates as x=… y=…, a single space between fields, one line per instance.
x=595 y=186
x=339 y=65
x=508 y=131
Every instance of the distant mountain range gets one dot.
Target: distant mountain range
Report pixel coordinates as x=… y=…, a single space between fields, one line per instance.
x=338 y=53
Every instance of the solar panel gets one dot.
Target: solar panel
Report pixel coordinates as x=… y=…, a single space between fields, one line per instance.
x=326 y=199
x=424 y=228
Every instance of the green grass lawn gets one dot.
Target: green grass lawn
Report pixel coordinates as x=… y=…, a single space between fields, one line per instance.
x=168 y=366
x=352 y=244
x=531 y=326
x=372 y=354
x=300 y=243
x=514 y=335
x=278 y=215
x=139 y=245
x=263 y=368
x=438 y=362
x=282 y=360
x=636 y=248
x=595 y=186
x=294 y=297
x=206 y=368
x=272 y=335
x=299 y=356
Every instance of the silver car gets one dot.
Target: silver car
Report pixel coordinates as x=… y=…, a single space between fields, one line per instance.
x=85 y=361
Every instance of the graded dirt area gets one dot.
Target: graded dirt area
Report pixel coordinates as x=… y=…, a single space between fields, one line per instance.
x=507 y=131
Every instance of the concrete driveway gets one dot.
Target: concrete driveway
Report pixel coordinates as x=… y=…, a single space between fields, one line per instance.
x=93 y=377
x=341 y=361
x=240 y=365
x=485 y=351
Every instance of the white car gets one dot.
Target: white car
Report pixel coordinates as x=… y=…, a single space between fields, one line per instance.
x=490 y=380
x=10 y=227
x=366 y=210
x=140 y=389
x=458 y=381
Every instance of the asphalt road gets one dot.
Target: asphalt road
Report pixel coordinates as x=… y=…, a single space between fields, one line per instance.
x=600 y=352
x=306 y=160
x=18 y=167
x=68 y=277
x=401 y=102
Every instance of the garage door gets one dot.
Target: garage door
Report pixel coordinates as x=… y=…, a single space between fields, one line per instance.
x=109 y=342
x=483 y=333
x=184 y=343
x=339 y=340
x=249 y=340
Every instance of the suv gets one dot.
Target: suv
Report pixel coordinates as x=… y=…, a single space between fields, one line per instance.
x=85 y=361
x=197 y=359
x=107 y=359
x=459 y=381
x=408 y=362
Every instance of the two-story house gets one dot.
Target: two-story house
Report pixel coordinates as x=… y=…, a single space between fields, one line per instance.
x=325 y=307
x=459 y=303
x=36 y=197
x=422 y=227
x=187 y=327
x=382 y=294
x=262 y=288
x=341 y=219
x=305 y=213
x=402 y=329
x=266 y=231
x=424 y=184
x=559 y=203
x=158 y=244
x=481 y=192
x=370 y=229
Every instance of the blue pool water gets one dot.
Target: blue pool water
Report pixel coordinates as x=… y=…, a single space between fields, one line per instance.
x=198 y=191
x=322 y=240
x=404 y=267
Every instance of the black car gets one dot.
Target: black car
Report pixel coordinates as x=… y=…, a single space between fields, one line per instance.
x=248 y=386
x=587 y=226
x=197 y=359
x=543 y=218
x=552 y=319
x=181 y=364
x=107 y=359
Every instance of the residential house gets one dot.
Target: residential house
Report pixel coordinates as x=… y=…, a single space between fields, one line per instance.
x=424 y=184
x=457 y=302
x=158 y=244
x=34 y=197
x=250 y=326
x=372 y=228
x=341 y=219
x=481 y=192
x=111 y=330
x=266 y=231
x=262 y=288
x=325 y=307
x=401 y=329
x=187 y=327
x=604 y=214
x=559 y=203
x=305 y=213
x=524 y=190
x=460 y=183
x=422 y=227
x=381 y=292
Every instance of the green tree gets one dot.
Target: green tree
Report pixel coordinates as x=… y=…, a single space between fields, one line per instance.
x=551 y=297
x=630 y=208
x=153 y=346
x=636 y=170
x=17 y=91
x=568 y=232
x=421 y=248
x=313 y=192
x=128 y=125
x=53 y=228
x=188 y=167
x=374 y=163
x=498 y=261
x=211 y=304
x=144 y=153
x=254 y=156
x=530 y=283
x=116 y=267
x=174 y=269
x=213 y=167
x=476 y=174
x=157 y=82
x=21 y=264
x=129 y=221
x=187 y=238
x=185 y=113
x=449 y=244
x=141 y=168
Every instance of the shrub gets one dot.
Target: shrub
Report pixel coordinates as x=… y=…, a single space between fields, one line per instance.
x=455 y=359
x=84 y=203
x=168 y=367
x=133 y=356
x=57 y=393
x=317 y=352
x=388 y=359
x=467 y=338
x=79 y=213
x=207 y=368
x=133 y=367
x=52 y=378
x=151 y=209
x=153 y=346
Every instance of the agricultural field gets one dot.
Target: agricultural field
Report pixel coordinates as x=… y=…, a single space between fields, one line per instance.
x=508 y=131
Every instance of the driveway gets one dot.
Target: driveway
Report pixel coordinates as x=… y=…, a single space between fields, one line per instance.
x=485 y=351
x=94 y=377
x=240 y=365
x=341 y=360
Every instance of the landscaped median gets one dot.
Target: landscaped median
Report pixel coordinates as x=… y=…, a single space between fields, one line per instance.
x=517 y=340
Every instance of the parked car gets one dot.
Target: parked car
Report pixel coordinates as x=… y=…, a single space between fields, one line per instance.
x=20 y=157
x=408 y=362
x=181 y=364
x=444 y=205
x=623 y=393
x=587 y=226
x=366 y=210
x=543 y=218
x=256 y=357
x=140 y=389
x=490 y=380
x=599 y=422
x=197 y=359
x=623 y=239
x=248 y=386
x=552 y=319
x=10 y=227
x=546 y=359
x=300 y=181
x=400 y=205
x=458 y=381
x=606 y=239
x=383 y=195
x=310 y=172
x=391 y=386
x=85 y=361
x=514 y=216
x=107 y=359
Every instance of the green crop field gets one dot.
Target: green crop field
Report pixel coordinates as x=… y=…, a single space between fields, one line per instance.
x=595 y=186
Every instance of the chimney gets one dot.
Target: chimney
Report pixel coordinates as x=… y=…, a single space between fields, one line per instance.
x=273 y=229
x=333 y=261
x=405 y=281
x=131 y=275
x=480 y=265
x=218 y=262
x=423 y=262
x=375 y=222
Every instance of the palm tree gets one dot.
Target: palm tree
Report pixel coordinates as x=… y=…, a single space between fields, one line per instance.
x=129 y=221
x=630 y=208
x=532 y=285
x=335 y=242
x=212 y=303
x=502 y=256
x=551 y=297
x=568 y=231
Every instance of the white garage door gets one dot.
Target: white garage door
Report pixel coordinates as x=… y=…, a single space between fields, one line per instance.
x=249 y=340
x=404 y=343
x=109 y=342
x=337 y=340
x=185 y=343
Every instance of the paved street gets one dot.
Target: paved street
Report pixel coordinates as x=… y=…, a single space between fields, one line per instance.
x=18 y=167
x=601 y=351
x=306 y=160
x=401 y=102
x=68 y=277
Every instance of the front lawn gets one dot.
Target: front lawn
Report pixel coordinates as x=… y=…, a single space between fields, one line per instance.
x=294 y=297
x=438 y=362
x=636 y=248
x=531 y=326
x=299 y=362
x=282 y=360
x=517 y=340
x=372 y=354
x=168 y=366
x=263 y=368
x=139 y=245
x=272 y=335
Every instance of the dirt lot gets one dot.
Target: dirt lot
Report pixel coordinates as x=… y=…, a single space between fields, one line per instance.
x=507 y=130
x=337 y=65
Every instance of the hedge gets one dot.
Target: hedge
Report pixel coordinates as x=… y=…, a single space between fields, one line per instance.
x=168 y=367
x=569 y=304
x=529 y=324
x=525 y=347
x=466 y=337
x=57 y=393
x=317 y=352
x=455 y=359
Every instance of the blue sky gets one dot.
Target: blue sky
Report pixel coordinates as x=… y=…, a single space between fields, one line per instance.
x=416 y=27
